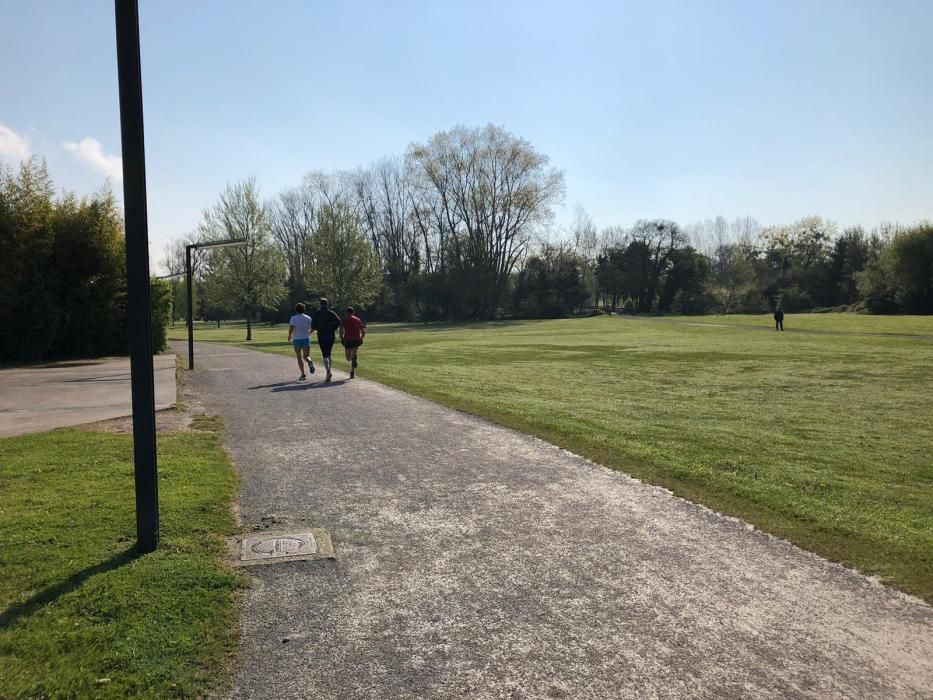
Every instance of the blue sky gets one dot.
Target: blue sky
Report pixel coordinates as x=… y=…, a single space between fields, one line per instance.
x=682 y=110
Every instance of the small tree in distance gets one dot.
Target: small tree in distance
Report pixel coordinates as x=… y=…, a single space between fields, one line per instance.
x=247 y=277
x=341 y=262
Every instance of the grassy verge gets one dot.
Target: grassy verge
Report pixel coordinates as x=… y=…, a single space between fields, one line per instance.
x=81 y=615
x=822 y=439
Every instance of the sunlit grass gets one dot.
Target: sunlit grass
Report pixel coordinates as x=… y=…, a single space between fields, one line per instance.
x=831 y=322
x=81 y=615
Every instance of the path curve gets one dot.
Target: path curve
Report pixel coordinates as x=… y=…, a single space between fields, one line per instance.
x=474 y=561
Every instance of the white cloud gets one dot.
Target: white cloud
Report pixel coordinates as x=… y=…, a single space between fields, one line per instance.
x=91 y=151
x=13 y=146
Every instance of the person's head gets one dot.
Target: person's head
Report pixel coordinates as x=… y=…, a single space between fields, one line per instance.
x=350 y=311
x=300 y=308
x=323 y=303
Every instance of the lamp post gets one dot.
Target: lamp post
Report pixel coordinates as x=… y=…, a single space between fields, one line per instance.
x=129 y=77
x=188 y=276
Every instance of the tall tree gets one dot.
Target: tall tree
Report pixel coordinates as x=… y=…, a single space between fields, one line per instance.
x=911 y=254
x=586 y=246
x=385 y=207
x=550 y=284
x=248 y=277
x=342 y=263
x=490 y=190
x=656 y=242
x=27 y=240
x=292 y=219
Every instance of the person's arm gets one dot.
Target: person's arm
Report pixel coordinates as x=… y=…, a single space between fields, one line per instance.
x=341 y=331
x=291 y=332
x=362 y=329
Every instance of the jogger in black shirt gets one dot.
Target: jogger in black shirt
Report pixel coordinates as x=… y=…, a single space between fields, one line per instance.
x=326 y=323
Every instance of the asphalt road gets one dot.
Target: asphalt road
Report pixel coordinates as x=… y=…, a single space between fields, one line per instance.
x=56 y=395
x=473 y=561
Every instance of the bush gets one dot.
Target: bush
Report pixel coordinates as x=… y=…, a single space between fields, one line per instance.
x=795 y=299
x=160 y=300
x=63 y=288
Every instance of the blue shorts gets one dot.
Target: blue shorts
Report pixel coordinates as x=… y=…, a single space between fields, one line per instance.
x=301 y=343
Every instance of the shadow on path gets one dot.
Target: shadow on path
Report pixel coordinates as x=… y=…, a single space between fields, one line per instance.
x=311 y=385
x=13 y=614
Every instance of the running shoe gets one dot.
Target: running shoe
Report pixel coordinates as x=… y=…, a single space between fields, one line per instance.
x=352 y=374
x=302 y=377
x=327 y=378
x=310 y=367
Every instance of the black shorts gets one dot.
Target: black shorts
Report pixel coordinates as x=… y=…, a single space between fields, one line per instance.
x=327 y=344
x=353 y=343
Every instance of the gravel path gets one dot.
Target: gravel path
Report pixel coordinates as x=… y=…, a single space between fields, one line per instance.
x=474 y=561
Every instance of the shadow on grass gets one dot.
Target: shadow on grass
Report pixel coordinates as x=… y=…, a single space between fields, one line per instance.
x=435 y=326
x=13 y=614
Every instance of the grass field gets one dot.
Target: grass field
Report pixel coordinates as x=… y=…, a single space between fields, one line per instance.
x=81 y=615
x=826 y=440
x=829 y=323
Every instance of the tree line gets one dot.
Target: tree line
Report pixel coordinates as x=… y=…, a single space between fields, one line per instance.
x=63 y=281
x=461 y=226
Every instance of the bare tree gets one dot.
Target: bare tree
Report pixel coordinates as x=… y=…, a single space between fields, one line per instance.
x=490 y=190
x=173 y=255
x=586 y=247
x=292 y=220
x=385 y=207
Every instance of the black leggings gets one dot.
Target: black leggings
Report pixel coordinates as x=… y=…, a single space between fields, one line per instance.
x=327 y=344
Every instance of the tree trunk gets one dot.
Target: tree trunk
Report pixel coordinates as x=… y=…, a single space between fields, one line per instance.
x=249 y=322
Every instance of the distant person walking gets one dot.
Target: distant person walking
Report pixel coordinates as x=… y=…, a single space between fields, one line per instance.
x=352 y=332
x=326 y=323
x=779 y=320
x=299 y=334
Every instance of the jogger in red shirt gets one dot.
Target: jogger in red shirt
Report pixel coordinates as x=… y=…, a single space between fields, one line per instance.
x=352 y=332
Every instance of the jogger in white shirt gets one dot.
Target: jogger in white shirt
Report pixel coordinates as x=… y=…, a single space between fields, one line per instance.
x=299 y=333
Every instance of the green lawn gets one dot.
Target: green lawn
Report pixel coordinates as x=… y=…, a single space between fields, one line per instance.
x=826 y=440
x=80 y=614
x=831 y=322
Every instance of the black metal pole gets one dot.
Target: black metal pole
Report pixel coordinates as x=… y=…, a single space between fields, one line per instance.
x=137 y=274
x=188 y=282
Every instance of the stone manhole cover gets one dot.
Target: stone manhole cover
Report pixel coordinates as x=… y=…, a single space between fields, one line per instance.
x=275 y=547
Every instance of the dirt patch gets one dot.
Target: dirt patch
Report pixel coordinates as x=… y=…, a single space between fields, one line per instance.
x=168 y=421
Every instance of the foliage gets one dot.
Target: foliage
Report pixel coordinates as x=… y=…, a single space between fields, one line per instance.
x=460 y=227
x=550 y=285
x=63 y=290
x=246 y=277
x=911 y=255
x=160 y=301
x=341 y=263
